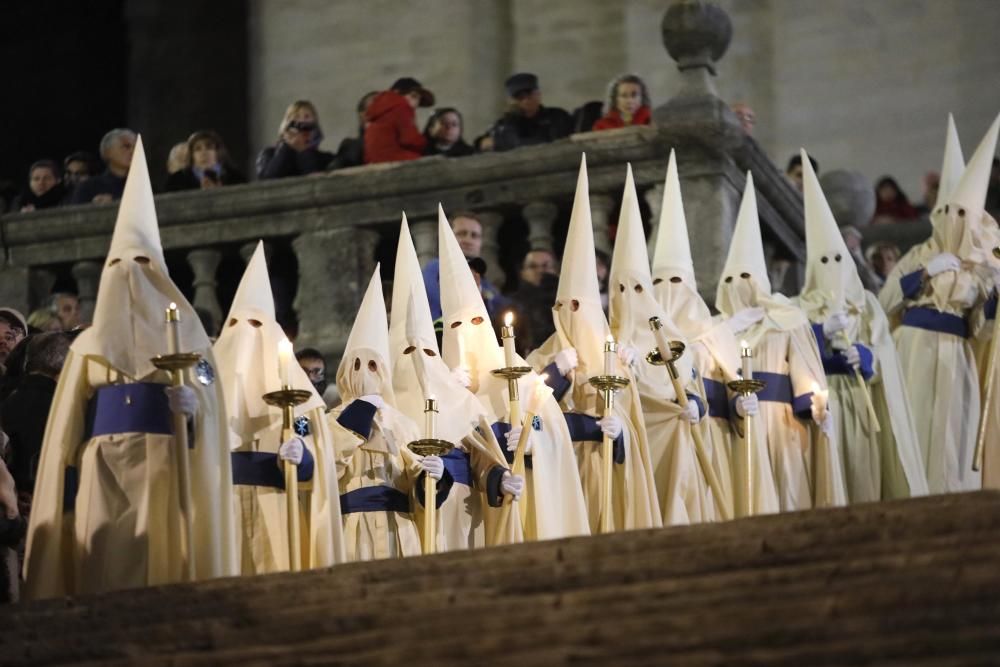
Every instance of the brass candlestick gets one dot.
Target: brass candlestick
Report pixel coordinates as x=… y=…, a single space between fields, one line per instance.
x=608 y=385
x=286 y=399
x=676 y=349
x=430 y=446
x=176 y=363
x=977 y=456
x=512 y=374
x=746 y=387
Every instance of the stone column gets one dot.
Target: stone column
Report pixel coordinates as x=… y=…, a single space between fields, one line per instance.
x=540 y=215
x=335 y=266
x=425 y=239
x=491 y=246
x=88 y=275
x=204 y=262
x=40 y=286
x=600 y=214
x=15 y=289
x=654 y=198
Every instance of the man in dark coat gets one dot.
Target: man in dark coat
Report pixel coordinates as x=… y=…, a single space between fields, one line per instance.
x=116 y=151
x=528 y=122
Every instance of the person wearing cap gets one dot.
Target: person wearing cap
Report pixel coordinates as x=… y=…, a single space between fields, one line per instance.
x=392 y=134
x=13 y=329
x=527 y=122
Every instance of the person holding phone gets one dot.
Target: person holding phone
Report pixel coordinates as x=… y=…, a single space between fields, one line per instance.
x=208 y=165
x=296 y=152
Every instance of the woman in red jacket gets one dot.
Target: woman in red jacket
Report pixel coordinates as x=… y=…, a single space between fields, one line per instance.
x=391 y=133
x=628 y=104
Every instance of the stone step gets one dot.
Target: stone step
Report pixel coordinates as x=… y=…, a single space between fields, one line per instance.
x=903 y=580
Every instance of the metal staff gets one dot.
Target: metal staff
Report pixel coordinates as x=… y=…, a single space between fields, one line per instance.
x=430 y=446
x=671 y=351
x=608 y=385
x=977 y=457
x=864 y=389
x=176 y=362
x=512 y=374
x=747 y=386
x=517 y=468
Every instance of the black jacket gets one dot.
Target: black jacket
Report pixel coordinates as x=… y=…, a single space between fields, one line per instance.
x=458 y=149
x=186 y=180
x=514 y=130
x=102 y=184
x=23 y=416
x=54 y=197
x=285 y=161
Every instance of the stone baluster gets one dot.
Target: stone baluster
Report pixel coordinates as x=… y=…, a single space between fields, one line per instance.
x=87 y=275
x=204 y=263
x=491 y=246
x=335 y=266
x=654 y=198
x=425 y=239
x=540 y=215
x=600 y=215
x=40 y=285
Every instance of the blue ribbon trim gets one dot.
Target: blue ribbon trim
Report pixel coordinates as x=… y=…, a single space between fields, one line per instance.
x=559 y=383
x=374 y=499
x=358 y=417
x=911 y=283
x=261 y=469
x=718 y=399
x=140 y=407
x=584 y=428
x=934 y=320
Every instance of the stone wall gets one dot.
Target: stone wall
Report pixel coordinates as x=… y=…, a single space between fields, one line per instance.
x=862 y=85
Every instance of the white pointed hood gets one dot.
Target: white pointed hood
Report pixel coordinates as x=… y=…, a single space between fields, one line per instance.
x=632 y=301
x=365 y=366
x=135 y=290
x=418 y=369
x=674 y=281
x=831 y=283
x=247 y=357
x=578 y=315
x=952 y=165
x=965 y=228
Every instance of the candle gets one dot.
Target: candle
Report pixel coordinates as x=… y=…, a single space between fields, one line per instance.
x=173 y=329
x=507 y=334
x=430 y=417
x=746 y=356
x=285 y=361
x=610 y=350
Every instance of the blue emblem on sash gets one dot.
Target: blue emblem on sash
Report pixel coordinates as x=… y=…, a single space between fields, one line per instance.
x=301 y=426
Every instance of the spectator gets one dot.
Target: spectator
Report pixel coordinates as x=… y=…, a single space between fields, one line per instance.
x=527 y=122
x=444 y=134
x=116 y=151
x=313 y=363
x=628 y=104
x=66 y=306
x=793 y=172
x=77 y=168
x=746 y=116
x=351 y=152
x=297 y=151
x=26 y=410
x=178 y=158
x=44 y=190
x=43 y=320
x=391 y=134
x=469 y=232
x=585 y=115
x=932 y=184
x=208 y=165
x=13 y=328
x=891 y=204
x=539 y=278
x=853 y=240
x=883 y=257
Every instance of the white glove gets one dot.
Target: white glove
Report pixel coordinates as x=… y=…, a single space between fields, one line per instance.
x=853 y=356
x=433 y=466
x=374 y=399
x=627 y=354
x=835 y=324
x=826 y=424
x=513 y=435
x=566 y=360
x=291 y=451
x=610 y=425
x=943 y=262
x=742 y=320
x=747 y=405
x=691 y=411
x=814 y=408
x=512 y=485
x=182 y=400
x=461 y=375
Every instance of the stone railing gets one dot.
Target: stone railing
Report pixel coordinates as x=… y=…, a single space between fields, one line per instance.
x=332 y=228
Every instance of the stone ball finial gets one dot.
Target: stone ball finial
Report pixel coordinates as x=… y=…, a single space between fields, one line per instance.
x=696 y=33
x=851 y=197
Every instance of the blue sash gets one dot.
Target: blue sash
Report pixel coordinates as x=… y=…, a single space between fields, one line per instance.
x=934 y=320
x=140 y=407
x=374 y=499
x=459 y=464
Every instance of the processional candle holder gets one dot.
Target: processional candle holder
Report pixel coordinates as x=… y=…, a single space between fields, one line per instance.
x=657 y=358
x=608 y=385
x=176 y=363
x=287 y=399
x=747 y=386
x=430 y=446
x=978 y=453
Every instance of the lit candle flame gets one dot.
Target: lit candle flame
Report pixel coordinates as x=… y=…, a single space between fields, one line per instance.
x=744 y=345
x=610 y=338
x=508 y=319
x=172 y=306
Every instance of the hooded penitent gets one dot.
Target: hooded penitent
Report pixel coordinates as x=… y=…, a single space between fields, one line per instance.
x=247 y=355
x=553 y=504
x=715 y=353
x=374 y=466
x=580 y=324
x=680 y=484
x=942 y=311
x=877 y=465
x=807 y=471
x=106 y=505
